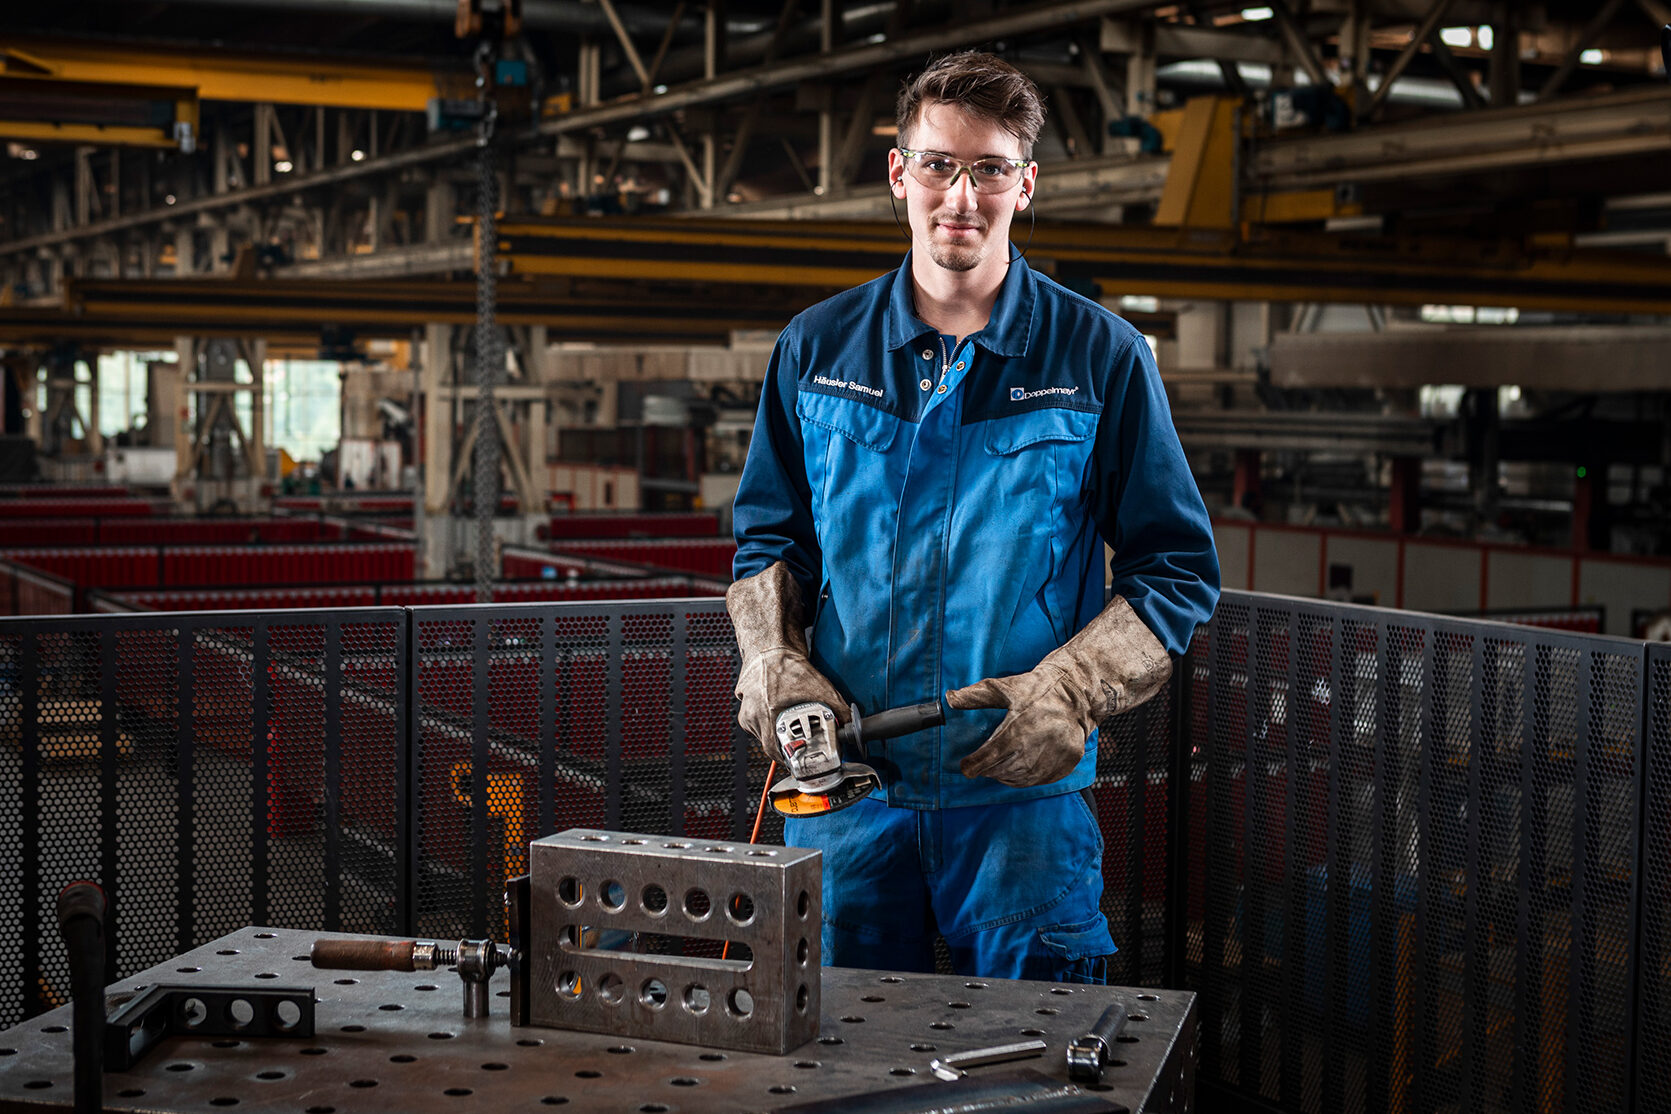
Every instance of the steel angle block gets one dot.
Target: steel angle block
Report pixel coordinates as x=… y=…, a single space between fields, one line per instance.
x=696 y=941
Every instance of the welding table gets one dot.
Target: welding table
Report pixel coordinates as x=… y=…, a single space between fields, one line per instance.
x=398 y=1041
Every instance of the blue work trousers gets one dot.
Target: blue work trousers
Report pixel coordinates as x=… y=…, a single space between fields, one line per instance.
x=1015 y=889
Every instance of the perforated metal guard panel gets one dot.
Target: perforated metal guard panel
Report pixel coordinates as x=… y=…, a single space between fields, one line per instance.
x=611 y=715
x=1653 y=1071
x=194 y=765
x=1414 y=860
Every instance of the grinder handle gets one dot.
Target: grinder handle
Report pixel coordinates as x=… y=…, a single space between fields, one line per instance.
x=892 y=723
x=363 y=955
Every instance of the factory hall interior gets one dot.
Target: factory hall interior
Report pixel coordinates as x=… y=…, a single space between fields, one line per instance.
x=874 y=556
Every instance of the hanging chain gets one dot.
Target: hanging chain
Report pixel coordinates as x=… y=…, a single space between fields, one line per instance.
x=490 y=359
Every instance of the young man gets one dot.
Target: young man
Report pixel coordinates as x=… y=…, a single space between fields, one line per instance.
x=938 y=459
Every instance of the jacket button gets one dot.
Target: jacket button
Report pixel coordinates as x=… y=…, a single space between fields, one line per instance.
x=942 y=388
x=928 y=353
x=925 y=384
x=960 y=365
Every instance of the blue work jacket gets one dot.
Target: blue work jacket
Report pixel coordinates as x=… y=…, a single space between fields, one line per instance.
x=951 y=528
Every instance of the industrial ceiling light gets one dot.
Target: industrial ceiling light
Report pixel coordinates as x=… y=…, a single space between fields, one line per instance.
x=1257 y=15
x=357 y=155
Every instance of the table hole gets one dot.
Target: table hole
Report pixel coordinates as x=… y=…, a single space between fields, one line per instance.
x=801 y=952
x=130 y=1092
x=740 y=908
x=941 y=1025
x=740 y=1002
x=803 y=904
x=902 y=1071
x=38 y=1084
x=1047 y=1011
x=264 y=936
x=345 y=982
x=223 y=1100
x=924 y=1048
x=684 y=1081
x=653 y=993
x=301 y=958
x=363 y=1083
x=554 y=1100
x=181 y=1067
x=1125 y=1038
x=225 y=1044
x=588 y=1073
x=654 y=899
x=958 y=1005
x=1116 y=1063
x=56 y=1029
x=614 y=895
x=808 y=1065
x=458 y=1092
x=975 y=985
x=227 y=951
x=763 y=854
x=322 y=1110
x=853 y=1020
x=831 y=1040
x=425 y=986
x=712 y=1057
x=595 y=838
x=653 y=1108
x=620 y=1050
x=1060 y=990
x=501 y=994
x=677 y=846
x=1138 y=1017
x=568 y=890
x=1148 y=998
x=873 y=998
x=321 y=1051
x=440 y=1036
x=1097 y=1086
x=495 y=1066
x=803 y=998
x=353 y=1028
x=782 y=1089
x=403 y=1058
x=1032 y=1032
x=269 y=1075
x=267 y=975
x=8 y=1052
x=530 y=1042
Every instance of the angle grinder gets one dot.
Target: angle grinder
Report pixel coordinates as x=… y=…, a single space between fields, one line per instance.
x=819 y=782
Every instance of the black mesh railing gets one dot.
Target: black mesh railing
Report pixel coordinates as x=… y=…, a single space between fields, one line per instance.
x=1408 y=862
x=1416 y=883
x=211 y=770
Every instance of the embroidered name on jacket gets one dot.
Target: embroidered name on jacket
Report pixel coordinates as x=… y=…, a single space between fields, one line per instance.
x=847 y=385
x=1021 y=394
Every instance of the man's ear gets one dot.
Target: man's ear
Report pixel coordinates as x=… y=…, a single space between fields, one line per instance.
x=897 y=184
x=1024 y=199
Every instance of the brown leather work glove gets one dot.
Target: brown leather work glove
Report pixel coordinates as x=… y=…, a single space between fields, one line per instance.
x=1113 y=665
x=767 y=615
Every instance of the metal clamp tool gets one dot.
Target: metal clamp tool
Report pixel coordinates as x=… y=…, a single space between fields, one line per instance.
x=952 y=1067
x=475 y=960
x=1089 y=1054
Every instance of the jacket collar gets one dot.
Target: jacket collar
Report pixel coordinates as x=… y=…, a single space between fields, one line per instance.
x=1008 y=331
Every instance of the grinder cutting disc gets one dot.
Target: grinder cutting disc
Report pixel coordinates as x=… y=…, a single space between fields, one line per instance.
x=854 y=782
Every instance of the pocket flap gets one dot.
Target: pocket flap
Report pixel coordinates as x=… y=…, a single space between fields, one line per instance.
x=1008 y=435
x=1079 y=941
x=859 y=423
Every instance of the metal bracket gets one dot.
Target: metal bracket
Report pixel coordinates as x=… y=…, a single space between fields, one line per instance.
x=204 y=1011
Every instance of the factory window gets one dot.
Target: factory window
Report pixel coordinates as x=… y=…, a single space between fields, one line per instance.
x=304 y=406
x=122 y=381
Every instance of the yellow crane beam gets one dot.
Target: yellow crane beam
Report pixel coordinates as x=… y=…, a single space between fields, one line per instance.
x=236 y=76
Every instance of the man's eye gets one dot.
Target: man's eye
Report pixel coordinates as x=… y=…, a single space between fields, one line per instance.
x=936 y=164
x=991 y=169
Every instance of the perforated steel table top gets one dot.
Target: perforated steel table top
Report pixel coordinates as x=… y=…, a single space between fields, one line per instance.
x=397 y=1041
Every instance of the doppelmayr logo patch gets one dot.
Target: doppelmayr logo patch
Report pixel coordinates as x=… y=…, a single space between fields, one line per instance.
x=847 y=385
x=1022 y=394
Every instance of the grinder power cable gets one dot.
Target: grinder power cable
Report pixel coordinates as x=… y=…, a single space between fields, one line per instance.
x=819 y=782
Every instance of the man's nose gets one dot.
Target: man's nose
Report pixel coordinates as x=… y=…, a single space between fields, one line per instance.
x=962 y=189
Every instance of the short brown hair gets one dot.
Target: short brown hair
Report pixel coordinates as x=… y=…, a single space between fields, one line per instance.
x=982 y=85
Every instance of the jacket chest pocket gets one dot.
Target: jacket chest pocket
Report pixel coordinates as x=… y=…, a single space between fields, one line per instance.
x=849 y=449
x=1041 y=457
